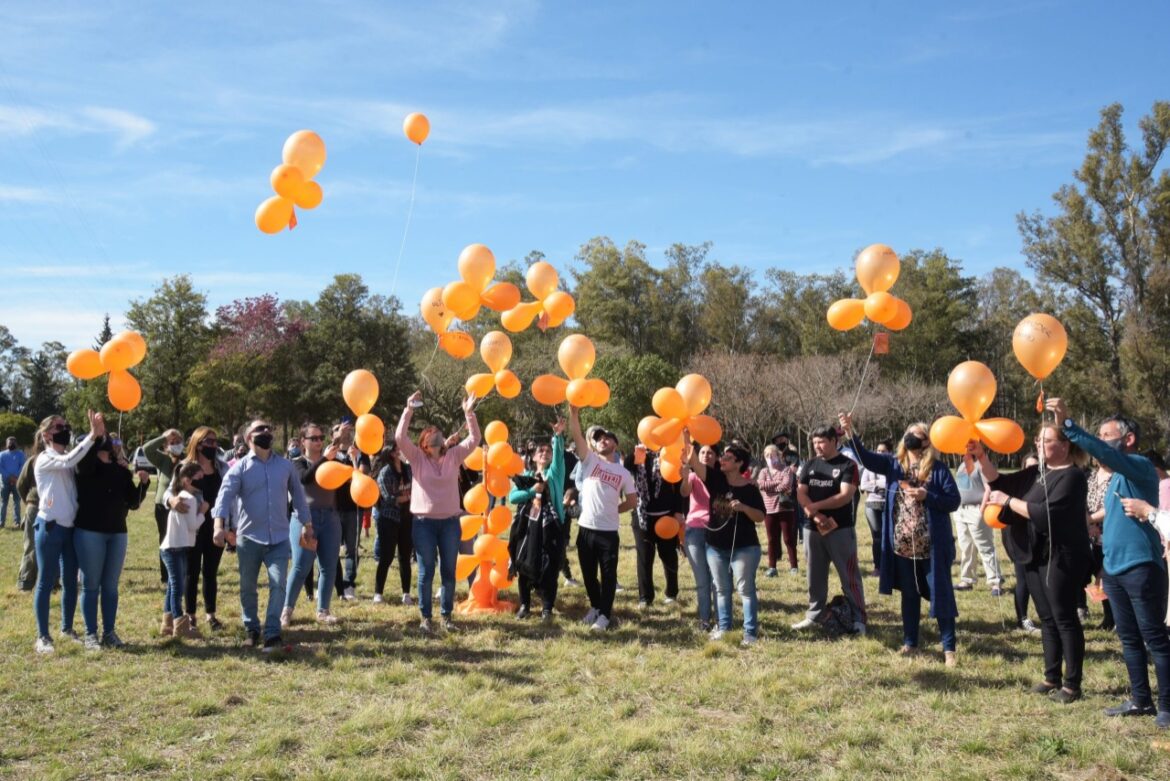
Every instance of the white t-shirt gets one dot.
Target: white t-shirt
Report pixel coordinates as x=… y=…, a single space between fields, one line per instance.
x=602 y=484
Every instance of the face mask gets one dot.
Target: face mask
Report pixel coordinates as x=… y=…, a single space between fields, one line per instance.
x=12 y=446
x=774 y=461
x=294 y=452
x=263 y=441
x=62 y=437
x=209 y=452
x=913 y=442
x=1117 y=444
x=175 y=450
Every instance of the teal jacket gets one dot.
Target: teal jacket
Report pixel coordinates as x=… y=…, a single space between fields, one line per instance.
x=1126 y=542
x=554 y=478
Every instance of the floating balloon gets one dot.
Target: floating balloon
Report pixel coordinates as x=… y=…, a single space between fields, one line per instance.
x=971 y=387
x=551 y=306
x=85 y=364
x=950 y=434
x=846 y=314
x=877 y=268
x=496 y=350
x=495 y=432
x=370 y=434
x=331 y=475
x=462 y=299
x=275 y=214
x=434 y=311
x=576 y=356
x=881 y=307
x=457 y=344
x=360 y=391
x=123 y=390
x=679 y=408
x=305 y=150
x=287 y=180
x=363 y=489
x=416 y=127
x=1040 y=343
x=548 y=389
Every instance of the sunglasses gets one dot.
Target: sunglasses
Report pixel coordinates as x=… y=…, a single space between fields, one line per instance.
x=60 y=427
x=315 y=439
x=260 y=429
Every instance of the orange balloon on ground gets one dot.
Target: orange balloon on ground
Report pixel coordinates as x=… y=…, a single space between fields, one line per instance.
x=123 y=390
x=416 y=127
x=950 y=434
x=85 y=364
x=360 y=391
x=465 y=565
x=877 y=268
x=991 y=516
x=1002 y=435
x=470 y=525
x=666 y=527
x=507 y=384
x=496 y=350
x=475 y=501
x=548 y=389
x=369 y=434
x=363 y=490
x=705 y=429
x=305 y=150
x=971 y=388
x=1040 y=343
x=499 y=519
x=457 y=344
x=881 y=307
x=331 y=475
x=846 y=313
x=541 y=279
x=576 y=356
x=496 y=431
x=669 y=403
x=696 y=393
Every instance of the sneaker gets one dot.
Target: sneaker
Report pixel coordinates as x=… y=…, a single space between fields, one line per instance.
x=1163 y=720
x=964 y=585
x=590 y=617
x=716 y=635
x=996 y=591
x=111 y=640
x=271 y=644
x=668 y=600
x=571 y=583
x=348 y=594
x=286 y=618
x=1082 y=614
x=213 y=623
x=619 y=588
x=748 y=641
x=1044 y=687
x=546 y=617
x=1064 y=696
x=1030 y=627
x=949 y=659
x=407 y=600
x=522 y=613
x=44 y=645
x=908 y=651
x=92 y=643
x=426 y=626
x=643 y=606
x=449 y=624
x=378 y=599
x=1131 y=708
x=601 y=624
x=252 y=640
x=859 y=629
x=71 y=634
x=770 y=572
x=325 y=617
x=703 y=626
x=794 y=571
x=806 y=623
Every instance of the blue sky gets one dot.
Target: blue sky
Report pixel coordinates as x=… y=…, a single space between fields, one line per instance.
x=136 y=139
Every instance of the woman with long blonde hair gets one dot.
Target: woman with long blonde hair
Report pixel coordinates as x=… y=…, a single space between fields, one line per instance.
x=917 y=547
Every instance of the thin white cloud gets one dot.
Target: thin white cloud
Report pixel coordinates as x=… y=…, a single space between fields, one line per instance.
x=18 y=194
x=128 y=128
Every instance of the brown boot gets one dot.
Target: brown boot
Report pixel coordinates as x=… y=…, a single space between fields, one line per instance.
x=168 y=625
x=184 y=628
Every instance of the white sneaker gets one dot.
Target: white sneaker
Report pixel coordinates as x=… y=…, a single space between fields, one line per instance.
x=618 y=588
x=806 y=623
x=571 y=583
x=92 y=643
x=859 y=629
x=348 y=593
x=716 y=635
x=668 y=600
x=378 y=599
x=325 y=617
x=44 y=646
x=601 y=624
x=749 y=640
x=285 y=618
x=407 y=600
x=591 y=616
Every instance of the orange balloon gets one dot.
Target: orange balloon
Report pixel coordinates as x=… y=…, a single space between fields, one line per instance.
x=137 y=346
x=576 y=356
x=500 y=580
x=273 y=215
x=500 y=297
x=1040 y=343
x=477 y=266
x=669 y=430
x=902 y=318
x=465 y=565
x=416 y=127
x=881 y=307
x=497 y=482
x=331 y=475
x=671 y=473
x=496 y=431
x=496 y=350
x=360 y=391
x=950 y=434
x=474 y=460
x=548 y=389
x=499 y=455
x=559 y=306
x=541 y=279
x=521 y=316
x=516 y=467
x=309 y=195
x=971 y=387
x=877 y=268
x=469 y=526
x=475 y=501
x=123 y=390
x=1002 y=435
x=598 y=392
x=286 y=180
x=434 y=311
x=369 y=434
x=846 y=313
x=85 y=364
x=669 y=403
x=480 y=384
x=646 y=428
x=363 y=490
x=507 y=384
x=705 y=429
x=305 y=150
x=457 y=344
x=991 y=516
x=579 y=392
x=666 y=526
x=462 y=299
x=696 y=393
x=499 y=520
x=116 y=355
x=485 y=547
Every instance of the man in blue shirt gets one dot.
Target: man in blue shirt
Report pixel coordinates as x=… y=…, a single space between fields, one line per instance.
x=1135 y=573
x=255 y=497
x=11 y=460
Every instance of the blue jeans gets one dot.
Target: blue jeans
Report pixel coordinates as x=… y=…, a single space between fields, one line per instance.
x=742 y=564
x=56 y=558
x=175 y=561
x=327 y=530
x=8 y=490
x=912 y=577
x=431 y=537
x=1138 y=598
x=100 y=557
x=696 y=546
x=252 y=555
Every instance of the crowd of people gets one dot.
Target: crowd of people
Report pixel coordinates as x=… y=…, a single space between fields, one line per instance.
x=1065 y=527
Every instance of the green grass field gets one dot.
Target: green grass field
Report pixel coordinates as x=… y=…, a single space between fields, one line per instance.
x=371 y=698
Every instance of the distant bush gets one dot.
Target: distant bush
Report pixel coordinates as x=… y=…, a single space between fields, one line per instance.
x=19 y=426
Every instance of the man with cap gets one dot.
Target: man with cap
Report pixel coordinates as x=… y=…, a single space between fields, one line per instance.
x=606 y=491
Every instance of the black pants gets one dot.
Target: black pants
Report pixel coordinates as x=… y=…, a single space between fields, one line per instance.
x=568 y=573
x=547 y=585
x=393 y=535
x=1021 y=593
x=646 y=543
x=203 y=559
x=1054 y=590
x=599 y=551
x=160 y=520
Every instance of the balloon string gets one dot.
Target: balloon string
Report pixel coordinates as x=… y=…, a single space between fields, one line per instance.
x=861 y=384
x=423 y=375
x=409 y=215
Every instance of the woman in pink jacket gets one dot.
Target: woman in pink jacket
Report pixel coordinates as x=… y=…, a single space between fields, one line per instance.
x=435 y=505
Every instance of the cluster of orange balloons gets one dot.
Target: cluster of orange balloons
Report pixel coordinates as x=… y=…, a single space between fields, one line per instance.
x=971 y=387
x=496 y=350
x=416 y=127
x=462 y=299
x=576 y=356
x=877 y=270
x=125 y=351
x=678 y=408
x=551 y=307
x=360 y=391
x=292 y=180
